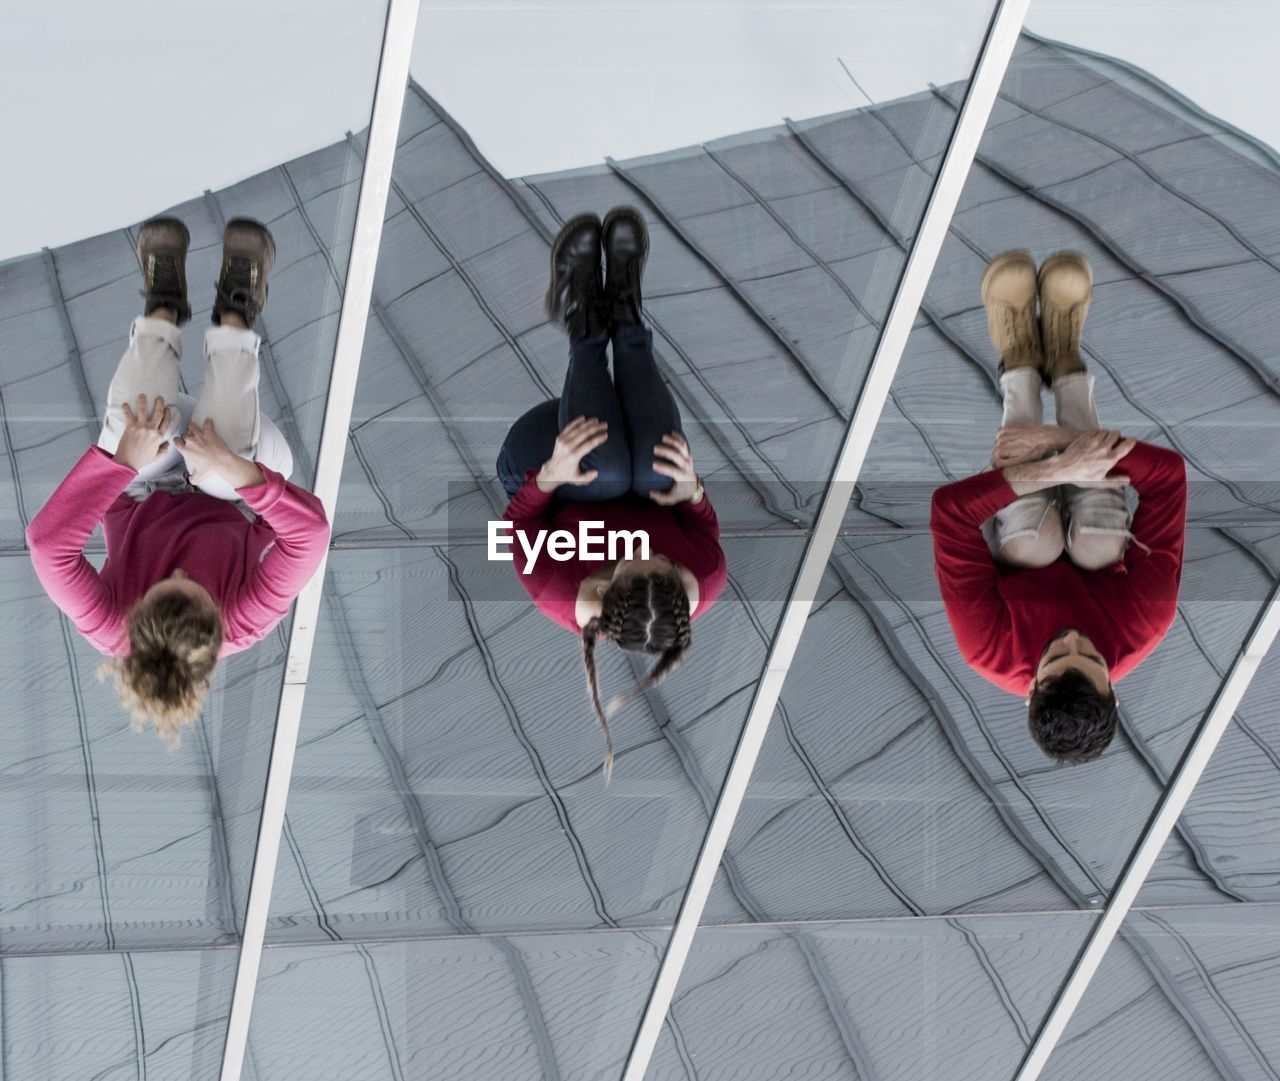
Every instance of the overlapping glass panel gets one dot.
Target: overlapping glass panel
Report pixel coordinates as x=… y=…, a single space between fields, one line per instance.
x=113 y=843
x=897 y=780
x=448 y=771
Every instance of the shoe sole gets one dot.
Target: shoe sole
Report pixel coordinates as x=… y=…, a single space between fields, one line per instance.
x=626 y=212
x=159 y=226
x=1073 y=260
x=571 y=226
x=242 y=235
x=1064 y=282
x=1003 y=261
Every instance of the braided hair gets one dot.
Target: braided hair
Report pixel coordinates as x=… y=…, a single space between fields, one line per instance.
x=640 y=613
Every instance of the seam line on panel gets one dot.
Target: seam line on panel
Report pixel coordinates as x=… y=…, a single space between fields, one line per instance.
x=732 y=285
x=1160 y=87
x=836 y=280
x=1211 y=988
x=1181 y=1004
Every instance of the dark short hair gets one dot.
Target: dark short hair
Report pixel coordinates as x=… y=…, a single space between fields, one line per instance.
x=1070 y=719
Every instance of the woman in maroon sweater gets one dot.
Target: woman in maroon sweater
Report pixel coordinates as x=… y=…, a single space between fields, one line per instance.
x=612 y=451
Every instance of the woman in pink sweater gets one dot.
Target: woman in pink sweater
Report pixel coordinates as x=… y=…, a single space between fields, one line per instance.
x=611 y=451
x=207 y=541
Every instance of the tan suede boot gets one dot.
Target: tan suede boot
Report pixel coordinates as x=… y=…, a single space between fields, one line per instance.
x=1066 y=285
x=1009 y=295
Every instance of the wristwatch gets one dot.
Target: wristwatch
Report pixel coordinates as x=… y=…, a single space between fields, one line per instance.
x=698 y=492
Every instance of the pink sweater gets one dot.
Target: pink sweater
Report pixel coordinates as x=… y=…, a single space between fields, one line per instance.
x=252 y=569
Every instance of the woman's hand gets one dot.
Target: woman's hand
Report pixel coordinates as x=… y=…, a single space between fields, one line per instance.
x=143 y=440
x=1013 y=446
x=676 y=462
x=1090 y=458
x=207 y=454
x=576 y=440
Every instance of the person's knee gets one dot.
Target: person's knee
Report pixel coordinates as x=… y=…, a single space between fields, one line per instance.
x=613 y=479
x=612 y=463
x=645 y=481
x=644 y=478
x=1096 y=551
x=1035 y=549
x=273 y=449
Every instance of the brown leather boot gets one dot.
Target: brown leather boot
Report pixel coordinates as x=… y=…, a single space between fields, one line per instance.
x=248 y=254
x=575 y=294
x=1009 y=295
x=1065 y=284
x=162 y=253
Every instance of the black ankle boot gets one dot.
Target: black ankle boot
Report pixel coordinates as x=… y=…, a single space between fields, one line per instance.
x=626 y=247
x=575 y=297
x=162 y=251
x=248 y=254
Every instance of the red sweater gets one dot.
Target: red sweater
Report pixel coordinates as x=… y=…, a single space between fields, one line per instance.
x=252 y=569
x=687 y=534
x=1004 y=616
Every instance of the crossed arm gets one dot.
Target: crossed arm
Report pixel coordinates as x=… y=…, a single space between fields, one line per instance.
x=1044 y=455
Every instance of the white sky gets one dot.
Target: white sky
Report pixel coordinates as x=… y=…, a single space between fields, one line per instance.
x=116 y=109
x=580 y=81
x=119 y=108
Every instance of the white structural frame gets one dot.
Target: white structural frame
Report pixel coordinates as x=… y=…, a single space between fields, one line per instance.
x=1144 y=855
x=375 y=183
x=993 y=60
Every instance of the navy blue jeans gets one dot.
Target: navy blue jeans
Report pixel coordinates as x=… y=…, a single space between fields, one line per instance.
x=635 y=403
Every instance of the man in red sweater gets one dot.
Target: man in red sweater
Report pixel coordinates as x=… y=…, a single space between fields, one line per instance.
x=1046 y=595
x=207 y=541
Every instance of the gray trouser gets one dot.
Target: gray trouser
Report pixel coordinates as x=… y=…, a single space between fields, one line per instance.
x=1092 y=524
x=229 y=395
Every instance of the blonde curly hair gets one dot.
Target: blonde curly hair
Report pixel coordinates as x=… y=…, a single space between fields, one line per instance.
x=173 y=650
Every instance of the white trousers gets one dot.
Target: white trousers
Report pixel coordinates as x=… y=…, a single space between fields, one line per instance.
x=1092 y=524
x=229 y=395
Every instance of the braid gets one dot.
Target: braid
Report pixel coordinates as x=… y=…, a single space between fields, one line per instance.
x=649 y=614
x=671 y=657
x=589 y=633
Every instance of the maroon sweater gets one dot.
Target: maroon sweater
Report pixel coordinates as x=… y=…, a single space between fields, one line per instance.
x=253 y=570
x=1004 y=616
x=687 y=534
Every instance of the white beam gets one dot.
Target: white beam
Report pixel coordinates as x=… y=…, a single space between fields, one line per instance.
x=993 y=59
x=375 y=182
